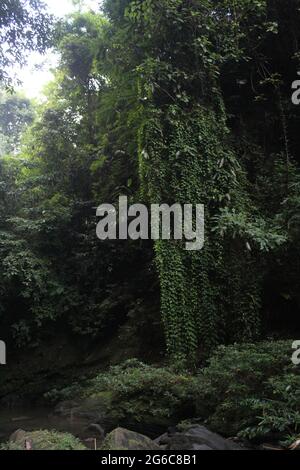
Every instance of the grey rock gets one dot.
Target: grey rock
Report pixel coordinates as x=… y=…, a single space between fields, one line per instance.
x=163 y=440
x=200 y=447
x=18 y=435
x=123 y=439
x=199 y=436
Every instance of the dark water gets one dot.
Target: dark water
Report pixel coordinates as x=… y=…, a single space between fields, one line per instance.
x=34 y=419
x=42 y=418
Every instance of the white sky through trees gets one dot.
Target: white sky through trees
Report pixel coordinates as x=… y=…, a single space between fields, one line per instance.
x=37 y=73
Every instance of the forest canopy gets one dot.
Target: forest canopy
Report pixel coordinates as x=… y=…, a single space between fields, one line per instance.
x=24 y=27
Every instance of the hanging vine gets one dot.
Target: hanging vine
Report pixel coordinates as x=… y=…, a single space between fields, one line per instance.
x=187 y=155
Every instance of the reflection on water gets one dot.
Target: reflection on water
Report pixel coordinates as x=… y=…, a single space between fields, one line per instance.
x=33 y=419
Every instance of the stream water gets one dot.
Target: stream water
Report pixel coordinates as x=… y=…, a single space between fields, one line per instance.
x=34 y=419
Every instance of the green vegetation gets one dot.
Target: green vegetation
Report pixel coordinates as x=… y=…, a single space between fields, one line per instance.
x=169 y=122
x=252 y=390
x=145 y=395
x=24 y=27
x=247 y=390
x=16 y=114
x=164 y=101
x=44 y=440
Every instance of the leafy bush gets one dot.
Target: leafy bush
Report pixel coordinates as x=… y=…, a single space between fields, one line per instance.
x=248 y=390
x=252 y=390
x=67 y=393
x=152 y=396
x=45 y=440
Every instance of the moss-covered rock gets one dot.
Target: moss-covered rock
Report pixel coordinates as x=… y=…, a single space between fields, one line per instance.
x=123 y=439
x=42 y=440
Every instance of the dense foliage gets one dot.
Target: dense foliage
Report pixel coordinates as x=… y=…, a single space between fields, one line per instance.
x=147 y=395
x=163 y=101
x=135 y=395
x=45 y=440
x=24 y=27
x=16 y=114
x=195 y=144
x=252 y=391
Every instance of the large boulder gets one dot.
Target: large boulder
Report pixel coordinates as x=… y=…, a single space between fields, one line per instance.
x=43 y=440
x=195 y=437
x=123 y=439
x=18 y=436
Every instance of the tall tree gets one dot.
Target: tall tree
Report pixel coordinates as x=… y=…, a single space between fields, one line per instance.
x=24 y=27
x=16 y=114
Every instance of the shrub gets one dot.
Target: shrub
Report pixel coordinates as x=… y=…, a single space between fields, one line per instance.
x=45 y=440
x=252 y=390
x=152 y=396
x=55 y=395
